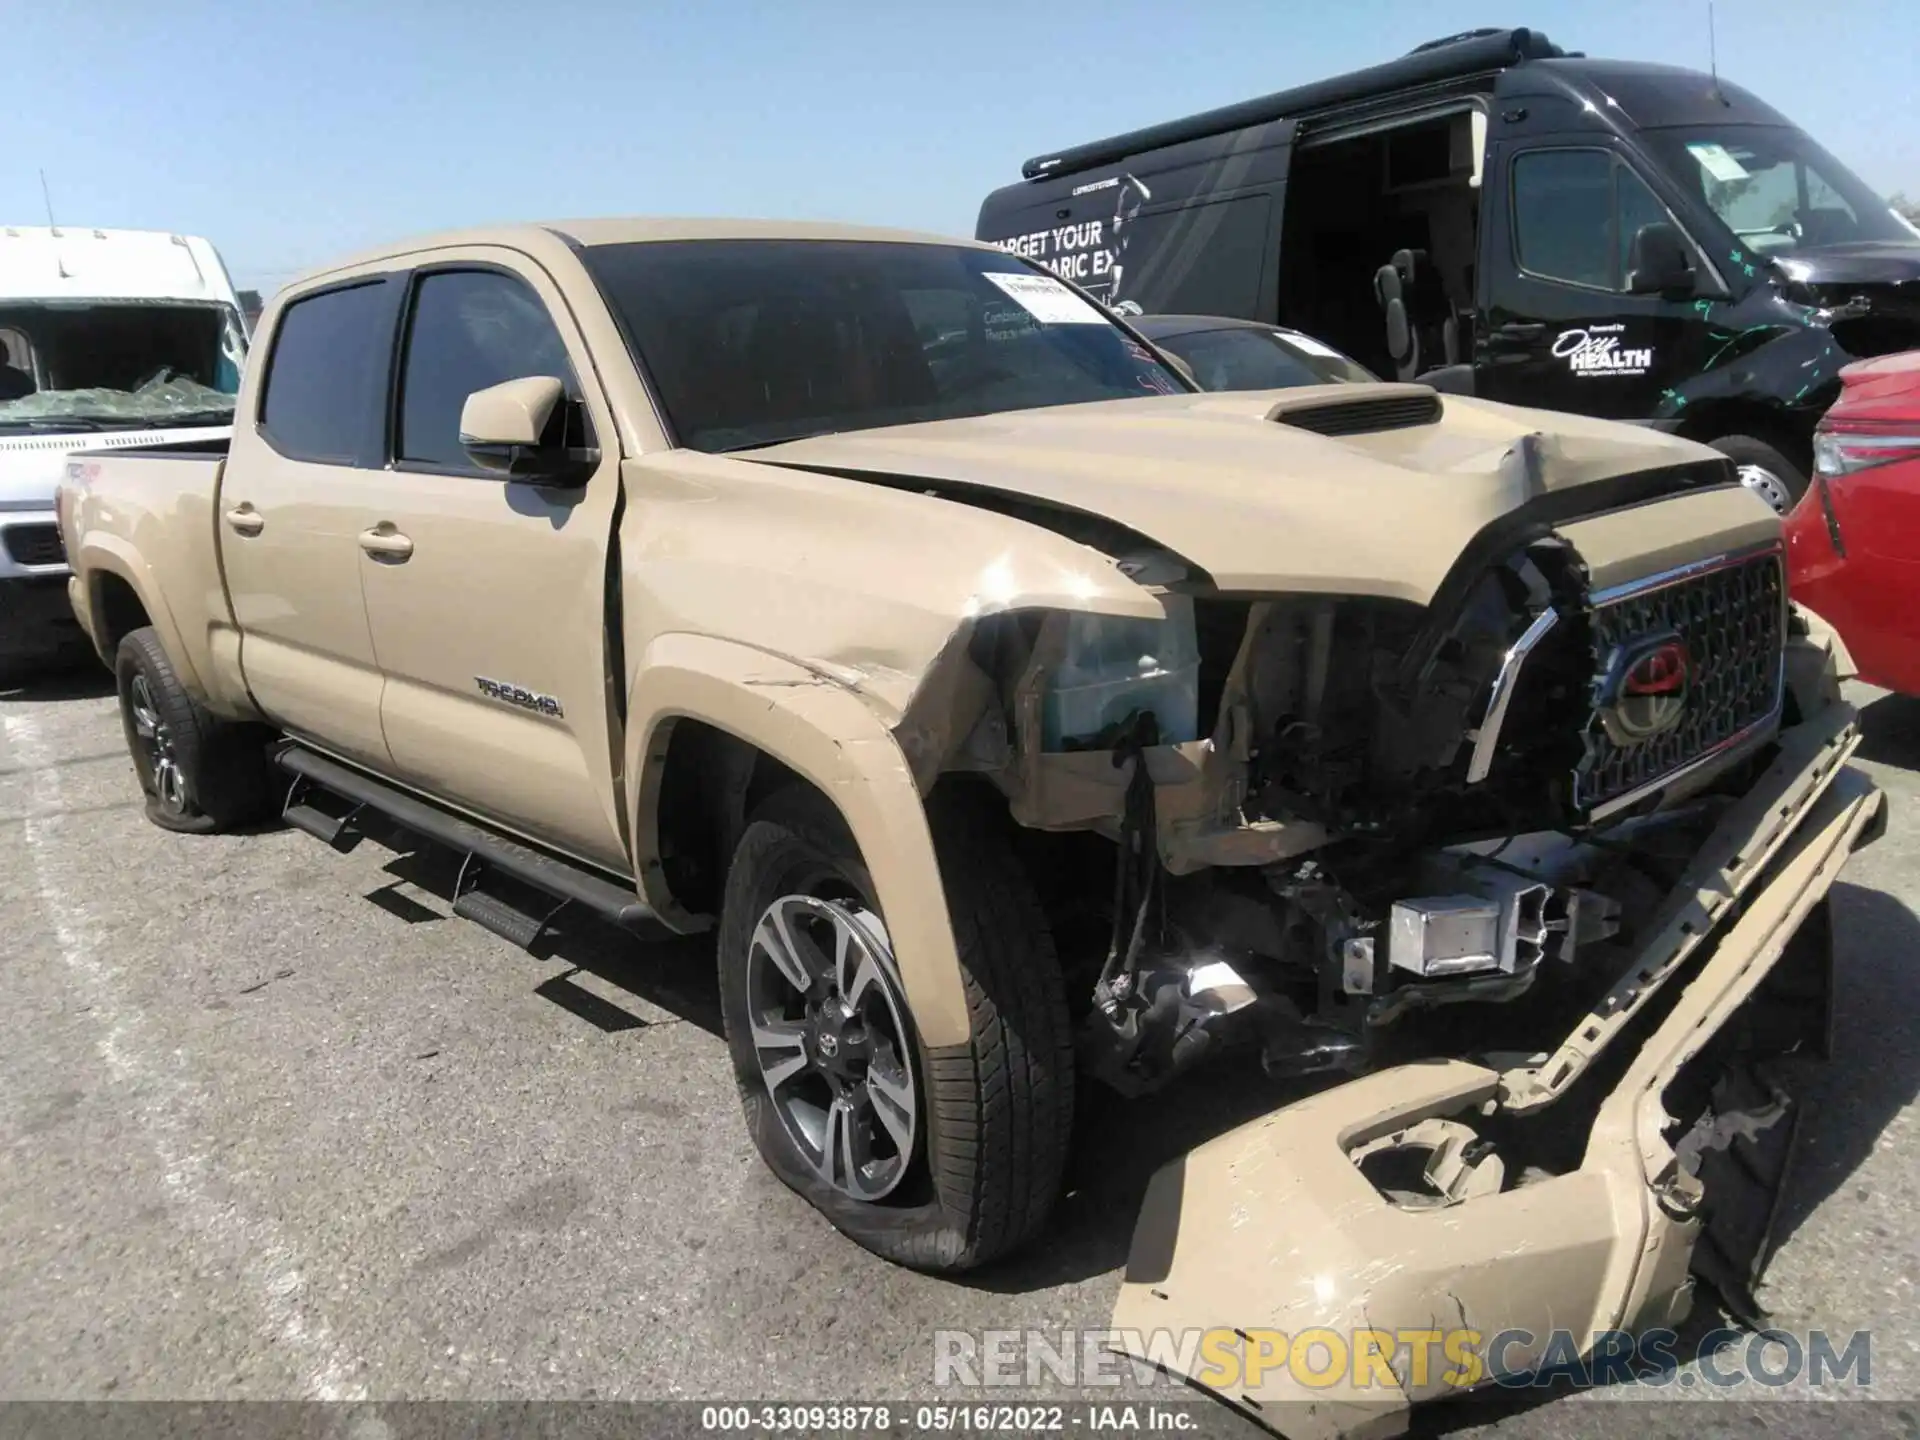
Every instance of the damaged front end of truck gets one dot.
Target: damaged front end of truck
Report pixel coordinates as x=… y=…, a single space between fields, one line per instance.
x=1551 y=877
x=1524 y=866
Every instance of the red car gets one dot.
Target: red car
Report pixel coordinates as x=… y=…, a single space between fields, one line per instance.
x=1853 y=541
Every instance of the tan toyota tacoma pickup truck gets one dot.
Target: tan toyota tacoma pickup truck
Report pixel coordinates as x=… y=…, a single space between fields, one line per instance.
x=1010 y=709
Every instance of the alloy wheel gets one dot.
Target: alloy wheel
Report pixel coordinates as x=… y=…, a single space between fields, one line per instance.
x=828 y=1020
x=155 y=738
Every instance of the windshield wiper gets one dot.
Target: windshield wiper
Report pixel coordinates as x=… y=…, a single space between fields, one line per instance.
x=54 y=423
x=195 y=417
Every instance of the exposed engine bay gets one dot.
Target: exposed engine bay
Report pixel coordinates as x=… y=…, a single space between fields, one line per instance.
x=1301 y=820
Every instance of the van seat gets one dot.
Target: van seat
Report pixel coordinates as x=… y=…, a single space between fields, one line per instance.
x=1422 y=329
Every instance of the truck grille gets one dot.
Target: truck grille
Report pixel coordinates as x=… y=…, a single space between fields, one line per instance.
x=34 y=544
x=1731 y=617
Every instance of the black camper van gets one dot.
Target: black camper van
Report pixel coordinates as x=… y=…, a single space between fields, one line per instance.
x=1499 y=217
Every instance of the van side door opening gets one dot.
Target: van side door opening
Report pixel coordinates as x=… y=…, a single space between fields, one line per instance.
x=1353 y=202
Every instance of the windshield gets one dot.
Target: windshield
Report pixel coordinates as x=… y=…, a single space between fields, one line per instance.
x=1774 y=187
x=112 y=365
x=751 y=342
x=1245 y=357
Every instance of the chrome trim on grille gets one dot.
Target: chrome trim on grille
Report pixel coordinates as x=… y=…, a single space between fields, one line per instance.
x=1719 y=752
x=1487 y=737
x=1692 y=570
x=1766 y=724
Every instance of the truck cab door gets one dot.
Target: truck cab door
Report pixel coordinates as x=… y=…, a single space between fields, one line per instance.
x=291 y=499
x=488 y=598
x=1560 y=330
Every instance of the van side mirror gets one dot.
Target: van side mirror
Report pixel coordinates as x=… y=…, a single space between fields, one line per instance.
x=515 y=429
x=1658 y=262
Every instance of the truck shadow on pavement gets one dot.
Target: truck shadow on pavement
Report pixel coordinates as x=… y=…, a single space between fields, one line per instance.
x=1118 y=1144
x=674 y=974
x=82 y=680
x=1875 y=1071
x=1890 y=731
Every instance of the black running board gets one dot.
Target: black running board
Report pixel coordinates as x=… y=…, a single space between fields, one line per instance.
x=566 y=881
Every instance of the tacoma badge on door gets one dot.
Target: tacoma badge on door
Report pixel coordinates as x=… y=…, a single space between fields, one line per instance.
x=516 y=695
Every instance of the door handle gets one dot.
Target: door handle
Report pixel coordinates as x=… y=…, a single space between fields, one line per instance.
x=1520 y=331
x=385 y=543
x=246 y=520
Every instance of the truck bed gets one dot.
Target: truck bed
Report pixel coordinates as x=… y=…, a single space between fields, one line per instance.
x=145 y=517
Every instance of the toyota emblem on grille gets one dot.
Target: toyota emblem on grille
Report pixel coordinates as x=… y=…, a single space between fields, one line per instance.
x=1645 y=689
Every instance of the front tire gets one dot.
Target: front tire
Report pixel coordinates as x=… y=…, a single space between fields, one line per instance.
x=201 y=774
x=971 y=1171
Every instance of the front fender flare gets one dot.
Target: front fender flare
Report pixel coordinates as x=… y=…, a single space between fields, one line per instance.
x=824 y=732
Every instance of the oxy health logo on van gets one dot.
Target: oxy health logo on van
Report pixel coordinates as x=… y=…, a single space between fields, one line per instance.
x=1596 y=350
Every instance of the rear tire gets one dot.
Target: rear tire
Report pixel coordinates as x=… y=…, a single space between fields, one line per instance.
x=201 y=774
x=994 y=1114
x=1764 y=470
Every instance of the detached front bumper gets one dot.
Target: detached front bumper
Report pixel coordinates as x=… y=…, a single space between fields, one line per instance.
x=1273 y=1231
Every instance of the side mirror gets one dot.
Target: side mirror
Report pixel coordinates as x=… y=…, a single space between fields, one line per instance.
x=1177 y=363
x=1658 y=262
x=510 y=429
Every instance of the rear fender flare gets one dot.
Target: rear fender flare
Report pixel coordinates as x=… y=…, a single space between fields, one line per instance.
x=827 y=734
x=110 y=555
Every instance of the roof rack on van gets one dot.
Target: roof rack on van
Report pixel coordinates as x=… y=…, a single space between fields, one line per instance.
x=1468 y=53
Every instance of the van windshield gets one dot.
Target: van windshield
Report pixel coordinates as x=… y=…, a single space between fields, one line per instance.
x=1776 y=189
x=752 y=342
x=117 y=364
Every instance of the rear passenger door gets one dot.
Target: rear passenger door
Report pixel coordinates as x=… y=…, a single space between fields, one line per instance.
x=294 y=492
x=488 y=598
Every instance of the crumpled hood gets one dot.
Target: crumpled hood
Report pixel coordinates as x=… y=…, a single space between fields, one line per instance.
x=1863 y=262
x=1259 y=504
x=1885 y=274
x=32 y=463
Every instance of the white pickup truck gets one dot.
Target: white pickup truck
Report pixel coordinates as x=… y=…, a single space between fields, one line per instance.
x=107 y=338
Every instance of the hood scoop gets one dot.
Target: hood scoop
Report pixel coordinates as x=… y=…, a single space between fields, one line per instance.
x=1380 y=407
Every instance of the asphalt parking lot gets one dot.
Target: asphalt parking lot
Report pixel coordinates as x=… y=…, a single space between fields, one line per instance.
x=276 y=1126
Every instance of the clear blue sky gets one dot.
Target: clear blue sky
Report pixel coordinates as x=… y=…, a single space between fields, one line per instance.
x=289 y=132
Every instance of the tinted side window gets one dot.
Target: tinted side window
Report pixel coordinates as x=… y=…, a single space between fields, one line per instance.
x=470 y=329
x=1563 y=215
x=322 y=379
x=1199 y=260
